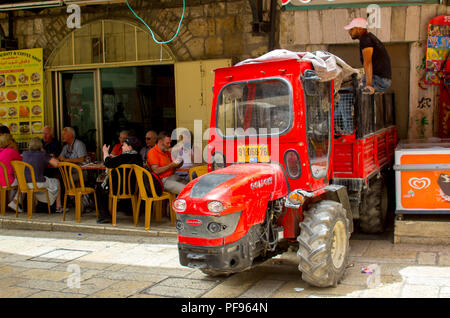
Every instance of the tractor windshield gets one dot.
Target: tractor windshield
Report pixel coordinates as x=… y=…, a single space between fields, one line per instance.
x=254 y=108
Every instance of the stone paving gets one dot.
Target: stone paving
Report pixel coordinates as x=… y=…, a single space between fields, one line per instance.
x=45 y=264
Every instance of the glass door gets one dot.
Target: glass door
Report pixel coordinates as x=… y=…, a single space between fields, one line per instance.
x=137 y=99
x=101 y=103
x=78 y=106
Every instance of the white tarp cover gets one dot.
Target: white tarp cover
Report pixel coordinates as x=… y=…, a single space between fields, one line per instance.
x=327 y=66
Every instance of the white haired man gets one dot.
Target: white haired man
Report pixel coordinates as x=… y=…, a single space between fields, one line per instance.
x=74 y=150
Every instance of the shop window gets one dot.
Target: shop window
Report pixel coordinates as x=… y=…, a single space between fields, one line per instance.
x=108 y=42
x=137 y=99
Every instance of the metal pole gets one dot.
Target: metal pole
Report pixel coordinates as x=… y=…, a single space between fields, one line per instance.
x=273 y=17
x=10 y=25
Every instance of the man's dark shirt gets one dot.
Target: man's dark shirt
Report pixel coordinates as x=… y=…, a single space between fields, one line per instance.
x=380 y=58
x=124 y=158
x=52 y=148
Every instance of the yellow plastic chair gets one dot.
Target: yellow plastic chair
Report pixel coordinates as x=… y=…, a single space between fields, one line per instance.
x=143 y=195
x=19 y=169
x=5 y=189
x=199 y=170
x=122 y=189
x=67 y=169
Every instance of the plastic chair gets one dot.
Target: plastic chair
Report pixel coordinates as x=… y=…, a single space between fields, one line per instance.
x=67 y=169
x=5 y=189
x=121 y=190
x=199 y=171
x=19 y=169
x=143 y=195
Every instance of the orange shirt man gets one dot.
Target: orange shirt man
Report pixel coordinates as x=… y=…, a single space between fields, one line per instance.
x=160 y=162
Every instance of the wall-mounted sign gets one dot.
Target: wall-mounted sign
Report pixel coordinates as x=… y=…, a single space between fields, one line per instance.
x=325 y=4
x=438 y=48
x=21 y=88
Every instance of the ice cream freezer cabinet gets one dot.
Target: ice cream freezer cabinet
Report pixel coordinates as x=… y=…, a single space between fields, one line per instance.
x=422 y=177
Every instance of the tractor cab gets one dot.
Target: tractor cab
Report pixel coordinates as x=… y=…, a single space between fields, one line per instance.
x=274 y=112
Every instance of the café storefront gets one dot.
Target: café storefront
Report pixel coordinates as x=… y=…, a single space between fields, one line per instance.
x=110 y=76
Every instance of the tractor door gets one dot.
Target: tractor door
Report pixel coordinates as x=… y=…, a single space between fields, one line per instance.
x=318 y=108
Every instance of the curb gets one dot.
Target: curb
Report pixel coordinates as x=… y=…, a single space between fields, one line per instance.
x=15 y=224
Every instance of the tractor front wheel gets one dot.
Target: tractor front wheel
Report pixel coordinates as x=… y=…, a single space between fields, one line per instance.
x=324 y=244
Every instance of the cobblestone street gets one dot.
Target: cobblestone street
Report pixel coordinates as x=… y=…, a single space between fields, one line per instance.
x=38 y=264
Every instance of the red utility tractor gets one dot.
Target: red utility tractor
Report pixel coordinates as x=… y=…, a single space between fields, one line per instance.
x=287 y=165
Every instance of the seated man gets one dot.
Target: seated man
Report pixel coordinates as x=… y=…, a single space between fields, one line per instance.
x=50 y=144
x=374 y=57
x=74 y=151
x=160 y=162
x=117 y=150
x=185 y=150
x=150 y=141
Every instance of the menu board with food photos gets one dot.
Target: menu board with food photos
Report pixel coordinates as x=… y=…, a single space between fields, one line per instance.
x=21 y=87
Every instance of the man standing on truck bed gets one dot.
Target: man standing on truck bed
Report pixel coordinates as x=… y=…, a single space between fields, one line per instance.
x=377 y=65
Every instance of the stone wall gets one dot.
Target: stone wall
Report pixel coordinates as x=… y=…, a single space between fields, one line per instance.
x=210 y=29
x=302 y=28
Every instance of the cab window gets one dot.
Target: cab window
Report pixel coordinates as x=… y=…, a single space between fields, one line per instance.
x=254 y=108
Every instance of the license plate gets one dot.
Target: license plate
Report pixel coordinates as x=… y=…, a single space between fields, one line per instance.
x=253 y=153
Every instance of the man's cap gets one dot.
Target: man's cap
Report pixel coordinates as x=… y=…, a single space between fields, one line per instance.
x=357 y=23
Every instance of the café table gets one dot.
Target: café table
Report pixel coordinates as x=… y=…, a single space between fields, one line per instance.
x=186 y=167
x=93 y=166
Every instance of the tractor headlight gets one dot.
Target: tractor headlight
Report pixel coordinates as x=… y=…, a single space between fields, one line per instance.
x=179 y=205
x=214 y=227
x=296 y=198
x=215 y=206
x=179 y=225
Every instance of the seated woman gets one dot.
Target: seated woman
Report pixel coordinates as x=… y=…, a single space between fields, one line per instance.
x=129 y=155
x=39 y=159
x=8 y=153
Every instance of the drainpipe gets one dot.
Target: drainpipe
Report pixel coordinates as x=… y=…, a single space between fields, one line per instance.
x=273 y=18
x=10 y=25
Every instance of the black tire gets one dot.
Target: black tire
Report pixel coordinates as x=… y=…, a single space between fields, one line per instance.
x=324 y=244
x=215 y=273
x=374 y=206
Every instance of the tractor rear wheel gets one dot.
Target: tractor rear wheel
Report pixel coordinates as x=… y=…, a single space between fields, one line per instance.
x=324 y=244
x=374 y=206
